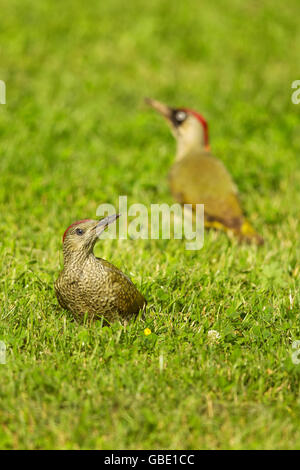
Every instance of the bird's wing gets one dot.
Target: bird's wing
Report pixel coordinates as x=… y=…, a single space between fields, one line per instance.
x=126 y=296
x=203 y=179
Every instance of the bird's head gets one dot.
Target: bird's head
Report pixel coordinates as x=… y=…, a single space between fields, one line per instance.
x=189 y=128
x=80 y=237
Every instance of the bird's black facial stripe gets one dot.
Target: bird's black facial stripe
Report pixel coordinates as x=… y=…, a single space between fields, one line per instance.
x=178 y=117
x=79 y=231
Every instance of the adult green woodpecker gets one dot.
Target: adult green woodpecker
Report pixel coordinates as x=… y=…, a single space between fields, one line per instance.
x=197 y=177
x=90 y=285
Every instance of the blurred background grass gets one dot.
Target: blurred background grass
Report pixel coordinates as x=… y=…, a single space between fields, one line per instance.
x=74 y=134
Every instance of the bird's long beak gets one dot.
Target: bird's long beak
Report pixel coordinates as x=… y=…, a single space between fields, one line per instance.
x=104 y=223
x=161 y=108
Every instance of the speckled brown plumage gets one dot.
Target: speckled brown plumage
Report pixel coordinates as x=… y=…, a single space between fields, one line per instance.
x=90 y=285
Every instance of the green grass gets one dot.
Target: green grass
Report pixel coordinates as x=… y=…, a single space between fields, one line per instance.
x=74 y=134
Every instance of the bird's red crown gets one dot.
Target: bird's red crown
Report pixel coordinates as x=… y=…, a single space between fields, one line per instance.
x=72 y=225
x=203 y=122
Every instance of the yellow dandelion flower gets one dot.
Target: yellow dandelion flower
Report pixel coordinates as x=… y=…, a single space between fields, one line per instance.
x=147 y=332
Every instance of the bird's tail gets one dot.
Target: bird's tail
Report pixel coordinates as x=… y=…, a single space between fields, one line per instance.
x=245 y=232
x=249 y=235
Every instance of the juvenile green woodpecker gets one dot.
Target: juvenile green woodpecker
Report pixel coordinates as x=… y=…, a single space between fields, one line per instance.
x=90 y=285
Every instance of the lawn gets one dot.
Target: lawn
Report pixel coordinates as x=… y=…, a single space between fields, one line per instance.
x=74 y=133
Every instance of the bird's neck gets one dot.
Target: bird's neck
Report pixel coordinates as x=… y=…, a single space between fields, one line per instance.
x=77 y=258
x=184 y=149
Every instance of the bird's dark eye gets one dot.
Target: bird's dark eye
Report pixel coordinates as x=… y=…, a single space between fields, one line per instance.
x=180 y=116
x=79 y=231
